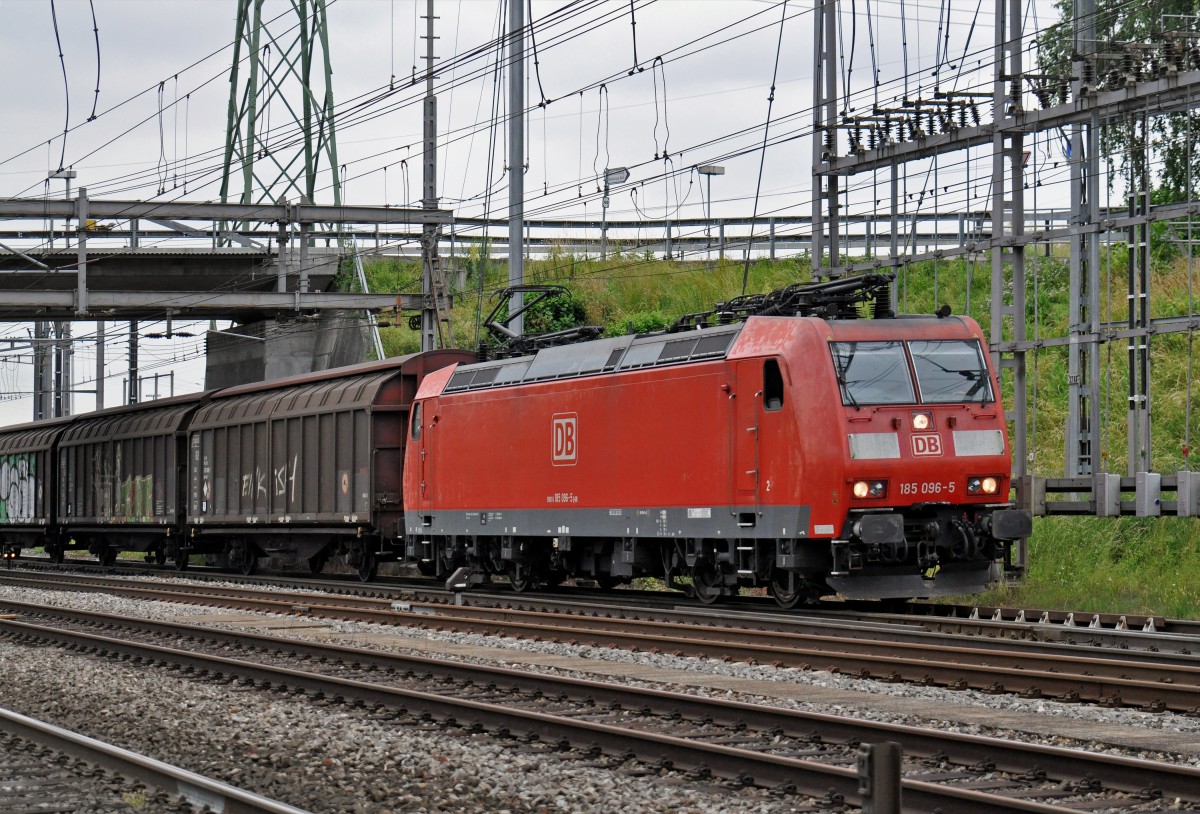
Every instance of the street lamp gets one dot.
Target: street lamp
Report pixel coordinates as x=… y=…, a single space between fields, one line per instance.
x=612 y=177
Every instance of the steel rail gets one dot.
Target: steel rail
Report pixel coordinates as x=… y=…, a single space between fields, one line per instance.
x=997 y=635
x=1127 y=631
x=1120 y=773
x=1108 y=681
x=768 y=770
x=198 y=790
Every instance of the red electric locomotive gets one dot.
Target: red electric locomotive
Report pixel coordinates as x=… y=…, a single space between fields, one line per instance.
x=779 y=441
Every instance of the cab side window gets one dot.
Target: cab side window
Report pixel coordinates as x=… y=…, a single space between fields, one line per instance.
x=772 y=385
x=416 y=421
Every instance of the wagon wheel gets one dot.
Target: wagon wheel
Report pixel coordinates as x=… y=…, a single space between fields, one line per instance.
x=160 y=556
x=706 y=582
x=368 y=567
x=427 y=568
x=55 y=553
x=248 y=565
x=180 y=558
x=316 y=564
x=107 y=556
x=520 y=577
x=786 y=589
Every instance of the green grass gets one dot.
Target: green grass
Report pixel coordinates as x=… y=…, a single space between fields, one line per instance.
x=1125 y=565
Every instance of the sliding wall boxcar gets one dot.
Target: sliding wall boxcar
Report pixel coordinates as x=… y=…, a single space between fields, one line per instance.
x=297 y=464
x=121 y=475
x=27 y=485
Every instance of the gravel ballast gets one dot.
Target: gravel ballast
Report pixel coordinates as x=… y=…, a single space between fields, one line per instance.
x=339 y=760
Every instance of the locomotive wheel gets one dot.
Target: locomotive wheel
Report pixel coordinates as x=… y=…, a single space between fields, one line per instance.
x=368 y=568
x=706 y=582
x=607 y=582
x=785 y=596
x=520 y=577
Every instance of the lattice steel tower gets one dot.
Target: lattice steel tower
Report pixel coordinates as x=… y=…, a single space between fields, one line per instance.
x=276 y=147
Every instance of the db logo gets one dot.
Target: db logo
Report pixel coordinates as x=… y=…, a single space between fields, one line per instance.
x=926 y=445
x=565 y=444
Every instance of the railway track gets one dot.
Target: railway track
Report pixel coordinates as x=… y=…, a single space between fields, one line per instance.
x=1152 y=681
x=45 y=768
x=787 y=750
x=1132 y=631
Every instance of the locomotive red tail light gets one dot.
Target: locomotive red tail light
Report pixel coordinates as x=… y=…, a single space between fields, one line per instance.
x=922 y=421
x=869 y=489
x=986 y=486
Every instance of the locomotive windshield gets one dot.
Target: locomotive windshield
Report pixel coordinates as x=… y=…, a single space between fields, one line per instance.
x=872 y=373
x=950 y=371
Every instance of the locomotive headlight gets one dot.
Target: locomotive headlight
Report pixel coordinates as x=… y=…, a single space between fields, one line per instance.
x=922 y=421
x=864 y=489
x=987 y=486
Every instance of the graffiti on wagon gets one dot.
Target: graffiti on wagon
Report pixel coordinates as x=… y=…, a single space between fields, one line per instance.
x=18 y=488
x=122 y=498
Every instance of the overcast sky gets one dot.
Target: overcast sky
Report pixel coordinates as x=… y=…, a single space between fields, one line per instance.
x=164 y=90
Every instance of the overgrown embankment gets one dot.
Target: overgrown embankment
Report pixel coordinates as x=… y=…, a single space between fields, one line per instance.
x=1125 y=565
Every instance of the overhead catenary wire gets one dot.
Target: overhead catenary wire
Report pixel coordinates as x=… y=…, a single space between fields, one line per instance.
x=763 y=157
x=96 y=35
x=62 y=61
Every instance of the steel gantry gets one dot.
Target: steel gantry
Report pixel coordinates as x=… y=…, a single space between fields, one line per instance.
x=1162 y=79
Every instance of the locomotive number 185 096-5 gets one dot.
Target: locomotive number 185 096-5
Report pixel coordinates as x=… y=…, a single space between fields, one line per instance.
x=927 y=488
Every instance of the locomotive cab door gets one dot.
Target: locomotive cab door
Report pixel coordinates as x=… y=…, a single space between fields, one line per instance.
x=422 y=436
x=744 y=431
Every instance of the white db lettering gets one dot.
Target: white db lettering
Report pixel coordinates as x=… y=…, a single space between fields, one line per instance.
x=925 y=445
x=564 y=450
